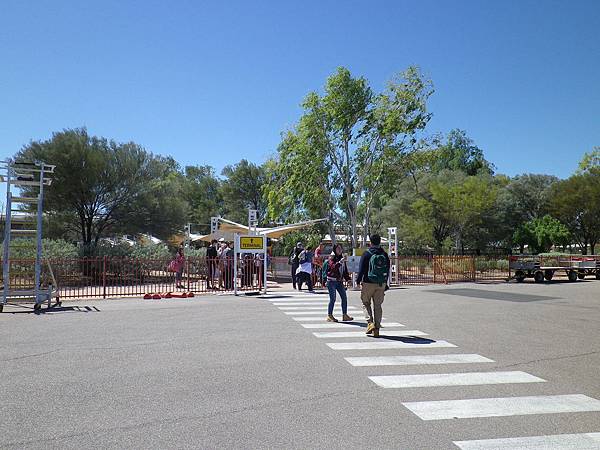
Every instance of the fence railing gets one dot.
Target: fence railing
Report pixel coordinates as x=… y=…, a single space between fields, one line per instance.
x=119 y=276
x=431 y=269
x=116 y=276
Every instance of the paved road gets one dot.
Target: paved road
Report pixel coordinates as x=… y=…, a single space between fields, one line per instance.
x=459 y=365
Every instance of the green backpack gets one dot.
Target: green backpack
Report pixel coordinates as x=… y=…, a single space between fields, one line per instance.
x=324 y=270
x=378 y=268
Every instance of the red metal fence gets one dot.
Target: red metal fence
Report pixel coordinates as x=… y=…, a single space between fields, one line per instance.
x=115 y=276
x=414 y=270
x=118 y=276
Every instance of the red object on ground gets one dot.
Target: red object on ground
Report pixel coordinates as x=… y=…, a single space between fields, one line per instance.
x=168 y=295
x=156 y=296
x=147 y=296
x=190 y=294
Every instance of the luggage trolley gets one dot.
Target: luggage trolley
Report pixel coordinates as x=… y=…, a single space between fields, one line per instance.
x=33 y=177
x=542 y=268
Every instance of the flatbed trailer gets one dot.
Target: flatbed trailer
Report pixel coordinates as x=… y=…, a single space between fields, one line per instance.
x=542 y=268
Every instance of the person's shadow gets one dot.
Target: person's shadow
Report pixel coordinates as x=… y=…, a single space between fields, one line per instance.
x=406 y=339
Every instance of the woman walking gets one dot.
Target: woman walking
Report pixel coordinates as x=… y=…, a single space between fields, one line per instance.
x=337 y=272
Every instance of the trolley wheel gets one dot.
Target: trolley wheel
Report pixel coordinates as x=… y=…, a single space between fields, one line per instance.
x=581 y=275
x=572 y=275
x=548 y=274
x=519 y=276
x=538 y=276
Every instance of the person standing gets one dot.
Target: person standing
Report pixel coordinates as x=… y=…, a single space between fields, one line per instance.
x=211 y=262
x=228 y=255
x=294 y=261
x=179 y=263
x=304 y=272
x=337 y=272
x=373 y=275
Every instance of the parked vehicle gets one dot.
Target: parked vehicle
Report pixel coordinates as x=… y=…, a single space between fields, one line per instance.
x=542 y=267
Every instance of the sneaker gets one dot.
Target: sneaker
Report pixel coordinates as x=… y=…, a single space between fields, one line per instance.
x=376 y=332
x=370 y=328
x=331 y=319
x=347 y=318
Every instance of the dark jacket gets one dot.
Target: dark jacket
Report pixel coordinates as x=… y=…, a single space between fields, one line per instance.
x=211 y=252
x=294 y=259
x=337 y=269
x=363 y=274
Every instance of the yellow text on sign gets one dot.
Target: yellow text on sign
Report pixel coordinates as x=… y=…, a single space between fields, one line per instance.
x=251 y=243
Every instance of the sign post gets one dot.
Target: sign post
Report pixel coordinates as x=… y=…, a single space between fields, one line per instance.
x=250 y=244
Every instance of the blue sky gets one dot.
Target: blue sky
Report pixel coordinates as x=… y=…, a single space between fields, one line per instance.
x=214 y=82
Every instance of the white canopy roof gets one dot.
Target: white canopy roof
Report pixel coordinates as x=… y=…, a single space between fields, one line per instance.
x=228 y=228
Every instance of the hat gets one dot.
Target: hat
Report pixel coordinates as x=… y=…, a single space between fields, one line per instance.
x=299 y=244
x=222 y=240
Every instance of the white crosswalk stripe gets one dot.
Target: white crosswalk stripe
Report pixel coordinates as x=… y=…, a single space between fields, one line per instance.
x=457 y=358
x=315 y=303
x=498 y=407
x=313 y=312
x=322 y=319
x=347 y=325
x=351 y=334
x=581 y=441
x=382 y=344
x=310 y=308
x=454 y=379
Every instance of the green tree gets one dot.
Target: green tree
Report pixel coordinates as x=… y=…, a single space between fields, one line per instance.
x=101 y=186
x=202 y=191
x=541 y=233
x=242 y=189
x=340 y=149
x=589 y=162
x=459 y=152
x=576 y=202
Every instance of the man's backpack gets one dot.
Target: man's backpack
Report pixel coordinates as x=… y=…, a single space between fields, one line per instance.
x=378 y=268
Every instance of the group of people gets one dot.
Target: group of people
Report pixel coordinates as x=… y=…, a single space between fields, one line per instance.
x=219 y=255
x=372 y=277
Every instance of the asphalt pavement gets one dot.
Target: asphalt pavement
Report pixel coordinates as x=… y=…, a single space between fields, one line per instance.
x=461 y=366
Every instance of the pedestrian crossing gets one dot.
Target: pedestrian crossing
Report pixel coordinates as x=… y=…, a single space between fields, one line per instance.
x=454 y=379
x=580 y=441
x=415 y=360
x=309 y=310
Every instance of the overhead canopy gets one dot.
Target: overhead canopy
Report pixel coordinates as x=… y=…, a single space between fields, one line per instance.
x=228 y=228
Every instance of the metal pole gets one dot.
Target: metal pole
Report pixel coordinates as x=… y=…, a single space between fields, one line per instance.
x=235 y=255
x=6 y=252
x=38 y=255
x=265 y=265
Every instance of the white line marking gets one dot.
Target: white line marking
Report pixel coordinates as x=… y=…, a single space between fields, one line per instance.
x=454 y=379
x=310 y=308
x=348 y=325
x=323 y=312
x=583 y=441
x=302 y=304
x=498 y=407
x=316 y=319
x=351 y=334
x=383 y=344
x=457 y=358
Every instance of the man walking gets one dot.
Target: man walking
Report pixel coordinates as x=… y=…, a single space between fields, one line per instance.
x=294 y=261
x=373 y=274
x=211 y=261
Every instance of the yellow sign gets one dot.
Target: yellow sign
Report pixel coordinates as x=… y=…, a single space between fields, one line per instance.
x=251 y=242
